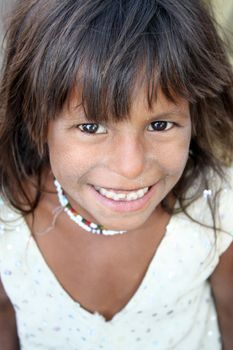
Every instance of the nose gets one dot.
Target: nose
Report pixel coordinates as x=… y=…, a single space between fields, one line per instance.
x=128 y=156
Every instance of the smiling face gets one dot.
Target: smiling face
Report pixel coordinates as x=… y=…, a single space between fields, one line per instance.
x=150 y=149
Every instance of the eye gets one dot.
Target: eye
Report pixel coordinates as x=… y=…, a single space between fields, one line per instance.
x=160 y=125
x=92 y=128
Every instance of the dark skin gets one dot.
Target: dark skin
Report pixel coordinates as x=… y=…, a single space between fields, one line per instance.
x=8 y=332
x=119 y=268
x=222 y=285
x=119 y=265
x=72 y=255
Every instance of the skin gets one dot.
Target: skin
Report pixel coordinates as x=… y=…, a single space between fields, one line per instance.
x=8 y=331
x=126 y=155
x=222 y=286
x=100 y=272
x=103 y=273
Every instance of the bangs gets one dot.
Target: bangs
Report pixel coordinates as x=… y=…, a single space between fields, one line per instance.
x=106 y=50
x=133 y=44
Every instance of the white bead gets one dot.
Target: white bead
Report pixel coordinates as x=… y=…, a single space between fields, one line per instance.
x=207 y=193
x=78 y=218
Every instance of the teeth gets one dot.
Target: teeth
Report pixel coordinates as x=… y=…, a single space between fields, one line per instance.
x=142 y=192
x=131 y=196
x=118 y=196
x=123 y=196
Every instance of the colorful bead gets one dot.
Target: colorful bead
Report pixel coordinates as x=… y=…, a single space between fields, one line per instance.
x=77 y=218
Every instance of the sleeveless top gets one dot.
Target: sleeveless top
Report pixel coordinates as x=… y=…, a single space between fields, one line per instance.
x=172 y=308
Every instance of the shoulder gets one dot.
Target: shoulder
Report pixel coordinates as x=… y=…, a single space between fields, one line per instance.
x=9 y=217
x=224 y=203
x=214 y=208
x=11 y=225
x=221 y=198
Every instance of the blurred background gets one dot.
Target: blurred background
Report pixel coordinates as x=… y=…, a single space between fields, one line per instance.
x=223 y=10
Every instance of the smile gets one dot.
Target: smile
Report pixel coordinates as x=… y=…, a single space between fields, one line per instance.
x=117 y=196
x=124 y=200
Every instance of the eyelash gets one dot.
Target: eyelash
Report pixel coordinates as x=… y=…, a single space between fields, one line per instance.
x=98 y=126
x=80 y=127
x=171 y=125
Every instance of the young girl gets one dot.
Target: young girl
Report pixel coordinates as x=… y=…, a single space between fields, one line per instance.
x=116 y=144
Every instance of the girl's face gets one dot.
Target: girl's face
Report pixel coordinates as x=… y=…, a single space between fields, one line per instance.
x=120 y=160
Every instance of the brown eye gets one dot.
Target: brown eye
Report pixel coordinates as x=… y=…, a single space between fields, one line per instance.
x=160 y=125
x=92 y=128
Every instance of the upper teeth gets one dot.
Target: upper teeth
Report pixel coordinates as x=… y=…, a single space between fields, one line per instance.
x=123 y=196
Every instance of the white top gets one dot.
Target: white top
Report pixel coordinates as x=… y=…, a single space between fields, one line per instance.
x=172 y=308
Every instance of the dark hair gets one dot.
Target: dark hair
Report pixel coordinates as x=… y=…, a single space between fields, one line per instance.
x=101 y=47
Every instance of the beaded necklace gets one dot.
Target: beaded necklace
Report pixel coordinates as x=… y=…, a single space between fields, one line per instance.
x=77 y=218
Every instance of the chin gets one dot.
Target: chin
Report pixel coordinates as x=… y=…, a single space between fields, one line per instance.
x=126 y=224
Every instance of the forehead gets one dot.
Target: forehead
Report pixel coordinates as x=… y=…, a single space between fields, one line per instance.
x=161 y=106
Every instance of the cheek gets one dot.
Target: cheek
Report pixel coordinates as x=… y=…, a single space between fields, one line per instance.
x=176 y=161
x=178 y=156
x=172 y=156
x=70 y=161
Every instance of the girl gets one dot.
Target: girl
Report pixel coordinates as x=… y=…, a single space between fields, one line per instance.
x=116 y=182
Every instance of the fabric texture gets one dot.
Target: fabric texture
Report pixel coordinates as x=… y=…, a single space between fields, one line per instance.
x=172 y=308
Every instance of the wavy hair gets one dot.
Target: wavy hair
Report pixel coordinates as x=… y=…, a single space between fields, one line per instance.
x=100 y=47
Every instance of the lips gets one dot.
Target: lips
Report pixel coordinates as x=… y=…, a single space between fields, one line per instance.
x=124 y=205
x=120 y=195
